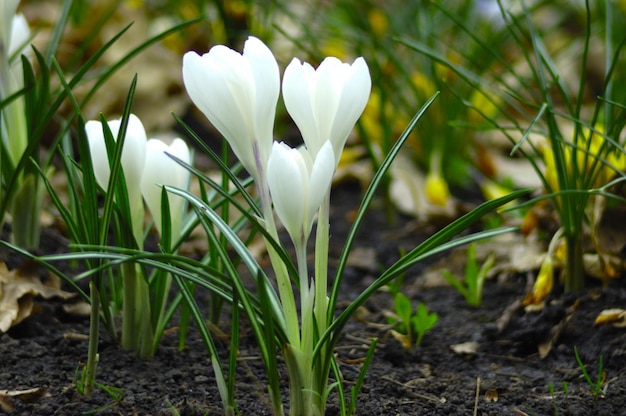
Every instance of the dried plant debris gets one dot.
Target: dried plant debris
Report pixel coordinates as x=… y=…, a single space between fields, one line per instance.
x=613 y=316
x=28 y=396
x=18 y=290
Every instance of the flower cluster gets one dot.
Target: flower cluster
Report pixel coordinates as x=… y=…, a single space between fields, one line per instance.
x=146 y=167
x=238 y=93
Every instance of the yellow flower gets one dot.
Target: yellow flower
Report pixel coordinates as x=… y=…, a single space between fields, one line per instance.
x=594 y=157
x=378 y=22
x=423 y=84
x=483 y=106
x=437 y=190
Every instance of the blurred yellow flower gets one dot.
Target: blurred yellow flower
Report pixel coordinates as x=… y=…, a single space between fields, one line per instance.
x=545 y=279
x=443 y=72
x=483 y=106
x=437 y=190
x=335 y=47
x=376 y=114
x=593 y=157
x=543 y=284
x=423 y=84
x=493 y=190
x=378 y=22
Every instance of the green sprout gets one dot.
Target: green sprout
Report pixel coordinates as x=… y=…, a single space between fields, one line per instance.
x=596 y=386
x=472 y=286
x=411 y=324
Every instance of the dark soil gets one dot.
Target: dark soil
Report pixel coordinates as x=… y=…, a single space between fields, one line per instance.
x=505 y=376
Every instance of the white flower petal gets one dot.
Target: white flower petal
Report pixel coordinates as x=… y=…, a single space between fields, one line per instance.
x=238 y=94
x=285 y=180
x=326 y=103
x=133 y=153
x=321 y=177
x=7 y=12
x=354 y=96
x=98 y=151
x=160 y=169
x=297 y=79
x=267 y=82
x=20 y=34
x=220 y=86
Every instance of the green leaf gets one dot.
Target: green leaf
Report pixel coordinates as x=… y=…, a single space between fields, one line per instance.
x=403 y=307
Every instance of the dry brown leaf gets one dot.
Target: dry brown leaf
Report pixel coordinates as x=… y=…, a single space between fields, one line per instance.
x=79 y=309
x=614 y=316
x=363 y=258
x=555 y=333
x=28 y=396
x=18 y=288
x=491 y=396
x=402 y=339
x=603 y=266
x=609 y=227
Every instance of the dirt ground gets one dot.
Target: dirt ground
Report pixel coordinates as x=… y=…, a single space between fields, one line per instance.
x=503 y=373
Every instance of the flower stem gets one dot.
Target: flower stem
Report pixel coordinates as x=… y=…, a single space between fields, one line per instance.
x=130 y=338
x=285 y=290
x=26 y=209
x=321 y=265
x=321 y=313
x=574 y=272
x=94 y=332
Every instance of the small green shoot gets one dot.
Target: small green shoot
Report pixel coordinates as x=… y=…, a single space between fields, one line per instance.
x=553 y=395
x=423 y=321
x=596 y=386
x=354 y=391
x=472 y=287
x=80 y=383
x=410 y=324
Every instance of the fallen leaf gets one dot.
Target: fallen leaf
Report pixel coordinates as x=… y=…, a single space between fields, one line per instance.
x=465 y=348
x=363 y=258
x=491 y=396
x=27 y=396
x=555 y=333
x=18 y=289
x=79 y=309
x=603 y=266
x=402 y=339
x=614 y=316
x=609 y=228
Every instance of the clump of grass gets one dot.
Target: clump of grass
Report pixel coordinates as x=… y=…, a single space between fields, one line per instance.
x=575 y=147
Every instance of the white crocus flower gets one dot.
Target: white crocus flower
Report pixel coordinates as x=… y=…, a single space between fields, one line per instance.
x=298 y=184
x=133 y=159
x=160 y=169
x=14 y=35
x=18 y=45
x=326 y=103
x=238 y=94
x=8 y=9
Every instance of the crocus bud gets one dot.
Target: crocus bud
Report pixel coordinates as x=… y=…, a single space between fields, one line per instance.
x=326 y=103
x=133 y=159
x=298 y=184
x=160 y=169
